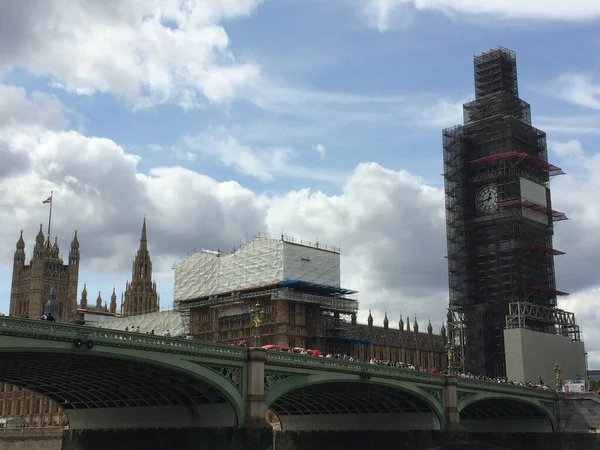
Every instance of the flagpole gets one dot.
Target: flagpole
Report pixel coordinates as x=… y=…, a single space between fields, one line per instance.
x=50 y=215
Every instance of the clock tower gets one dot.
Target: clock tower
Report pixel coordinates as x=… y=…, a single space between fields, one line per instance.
x=499 y=222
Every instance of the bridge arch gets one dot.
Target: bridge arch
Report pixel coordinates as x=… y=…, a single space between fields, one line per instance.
x=111 y=387
x=487 y=412
x=348 y=402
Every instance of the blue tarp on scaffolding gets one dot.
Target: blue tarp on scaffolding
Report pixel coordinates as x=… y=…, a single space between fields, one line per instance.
x=352 y=341
x=319 y=289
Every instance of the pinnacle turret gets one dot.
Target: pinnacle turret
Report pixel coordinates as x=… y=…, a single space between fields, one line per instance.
x=39 y=239
x=113 y=302
x=20 y=251
x=75 y=242
x=143 y=238
x=140 y=293
x=21 y=242
x=84 y=301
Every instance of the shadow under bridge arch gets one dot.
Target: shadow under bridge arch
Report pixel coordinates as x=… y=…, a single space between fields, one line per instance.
x=110 y=392
x=353 y=405
x=506 y=415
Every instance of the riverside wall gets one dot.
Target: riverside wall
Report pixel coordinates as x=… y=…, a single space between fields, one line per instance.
x=434 y=440
x=265 y=439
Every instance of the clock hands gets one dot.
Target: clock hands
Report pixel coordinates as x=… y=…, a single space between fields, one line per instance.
x=485 y=200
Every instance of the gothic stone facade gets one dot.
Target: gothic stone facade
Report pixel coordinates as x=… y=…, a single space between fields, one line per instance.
x=295 y=324
x=140 y=293
x=36 y=410
x=31 y=283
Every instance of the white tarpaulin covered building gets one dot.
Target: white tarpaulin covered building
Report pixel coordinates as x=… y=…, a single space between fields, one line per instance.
x=261 y=262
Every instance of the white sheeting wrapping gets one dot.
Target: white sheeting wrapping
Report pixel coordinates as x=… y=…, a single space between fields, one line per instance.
x=261 y=262
x=158 y=321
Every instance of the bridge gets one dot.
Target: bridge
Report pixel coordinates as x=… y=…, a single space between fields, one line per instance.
x=106 y=379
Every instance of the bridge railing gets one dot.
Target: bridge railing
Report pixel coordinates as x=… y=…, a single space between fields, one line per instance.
x=374 y=370
x=355 y=367
x=41 y=329
x=484 y=385
x=32 y=431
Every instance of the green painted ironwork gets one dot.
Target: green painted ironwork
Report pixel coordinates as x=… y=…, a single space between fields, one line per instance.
x=437 y=394
x=41 y=329
x=282 y=359
x=232 y=374
x=280 y=366
x=272 y=379
x=502 y=388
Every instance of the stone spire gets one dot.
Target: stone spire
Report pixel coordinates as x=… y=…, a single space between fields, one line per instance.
x=386 y=322
x=39 y=239
x=407 y=323
x=144 y=238
x=370 y=320
x=38 y=249
x=141 y=296
x=416 y=325
x=401 y=324
x=74 y=251
x=84 y=302
x=75 y=242
x=99 y=301
x=113 y=302
x=429 y=328
x=443 y=332
x=20 y=251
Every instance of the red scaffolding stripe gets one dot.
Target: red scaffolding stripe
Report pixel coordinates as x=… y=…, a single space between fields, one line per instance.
x=551 y=168
x=543 y=249
x=545 y=290
x=557 y=216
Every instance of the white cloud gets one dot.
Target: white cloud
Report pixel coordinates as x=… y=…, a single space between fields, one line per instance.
x=146 y=51
x=386 y=14
x=390 y=224
x=577 y=88
x=391 y=230
x=266 y=165
x=443 y=113
x=320 y=149
x=571 y=125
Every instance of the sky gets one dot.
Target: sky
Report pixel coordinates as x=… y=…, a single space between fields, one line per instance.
x=219 y=119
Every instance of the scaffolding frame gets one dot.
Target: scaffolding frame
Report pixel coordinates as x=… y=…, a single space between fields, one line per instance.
x=498 y=257
x=555 y=320
x=335 y=304
x=456 y=345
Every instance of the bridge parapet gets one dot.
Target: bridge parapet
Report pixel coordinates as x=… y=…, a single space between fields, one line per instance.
x=41 y=329
x=291 y=360
x=467 y=384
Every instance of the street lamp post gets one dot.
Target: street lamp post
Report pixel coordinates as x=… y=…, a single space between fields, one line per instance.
x=258 y=316
x=557 y=376
x=449 y=355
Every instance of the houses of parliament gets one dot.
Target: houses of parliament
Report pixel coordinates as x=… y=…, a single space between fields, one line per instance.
x=47 y=284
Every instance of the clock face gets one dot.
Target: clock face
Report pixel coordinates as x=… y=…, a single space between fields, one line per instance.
x=486 y=200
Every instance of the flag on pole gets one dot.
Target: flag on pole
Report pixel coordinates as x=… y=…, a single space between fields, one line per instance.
x=48 y=200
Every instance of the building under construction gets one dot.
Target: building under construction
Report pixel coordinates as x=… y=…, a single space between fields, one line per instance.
x=500 y=223
x=296 y=283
